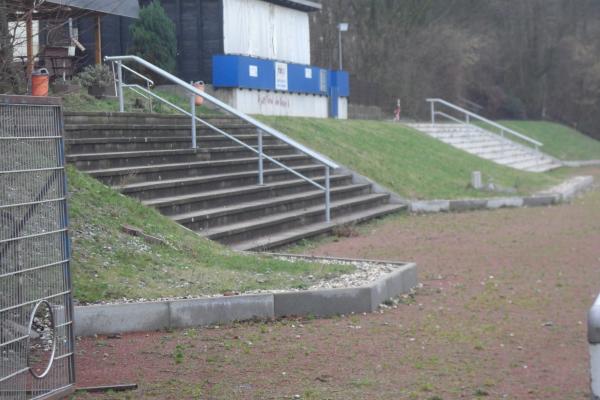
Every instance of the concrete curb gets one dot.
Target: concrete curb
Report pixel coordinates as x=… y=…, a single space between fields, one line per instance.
x=175 y=314
x=582 y=163
x=170 y=314
x=558 y=194
x=570 y=188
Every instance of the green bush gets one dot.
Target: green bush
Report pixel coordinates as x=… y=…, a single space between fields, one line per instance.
x=153 y=37
x=95 y=75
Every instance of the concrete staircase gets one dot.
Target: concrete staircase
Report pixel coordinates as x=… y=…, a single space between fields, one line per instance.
x=213 y=190
x=490 y=146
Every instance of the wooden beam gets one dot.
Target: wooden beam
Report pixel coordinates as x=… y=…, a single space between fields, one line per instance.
x=98 y=39
x=29 y=33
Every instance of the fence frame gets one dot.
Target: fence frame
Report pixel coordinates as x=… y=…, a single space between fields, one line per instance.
x=59 y=380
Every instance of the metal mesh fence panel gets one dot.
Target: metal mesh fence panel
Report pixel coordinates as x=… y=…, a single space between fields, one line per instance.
x=36 y=310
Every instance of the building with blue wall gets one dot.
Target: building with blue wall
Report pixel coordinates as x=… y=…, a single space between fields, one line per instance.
x=265 y=67
x=254 y=54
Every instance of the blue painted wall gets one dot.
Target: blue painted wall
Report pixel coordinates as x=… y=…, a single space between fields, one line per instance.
x=231 y=71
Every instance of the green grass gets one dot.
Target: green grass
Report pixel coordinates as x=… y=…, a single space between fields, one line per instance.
x=109 y=264
x=81 y=101
x=404 y=160
x=559 y=140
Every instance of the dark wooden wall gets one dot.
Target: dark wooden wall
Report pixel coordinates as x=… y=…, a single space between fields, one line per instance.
x=199 y=28
x=115 y=37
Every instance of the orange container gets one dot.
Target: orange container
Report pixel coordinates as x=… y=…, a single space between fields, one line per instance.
x=200 y=86
x=39 y=82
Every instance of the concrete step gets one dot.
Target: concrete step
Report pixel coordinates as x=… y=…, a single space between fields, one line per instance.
x=290 y=236
x=94 y=161
x=281 y=222
x=237 y=151
x=145 y=173
x=91 y=161
x=548 y=166
x=473 y=144
x=143 y=130
x=193 y=187
x=523 y=157
x=498 y=151
x=239 y=212
x=528 y=164
x=207 y=183
x=116 y=144
x=140 y=118
x=452 y=132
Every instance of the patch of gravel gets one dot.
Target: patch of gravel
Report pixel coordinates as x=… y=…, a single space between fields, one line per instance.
x=366 y=272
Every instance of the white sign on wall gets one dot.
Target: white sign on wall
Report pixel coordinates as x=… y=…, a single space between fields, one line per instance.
x=253 y=71
x=281 y=76
x=308 y=73
x=323 y=80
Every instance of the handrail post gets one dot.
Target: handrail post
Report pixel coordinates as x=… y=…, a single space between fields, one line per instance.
x=467 y=118
x=432 y=113
x=327 y=194
x=150 y=99
x=261 y=179
x=193 y=112
x=120 y=86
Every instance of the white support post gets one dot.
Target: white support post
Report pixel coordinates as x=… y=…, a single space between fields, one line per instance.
x=261 y=179
x=467 y=118
x=432 y=113
x=327 y=195
x=193 y=112
x=120 y=87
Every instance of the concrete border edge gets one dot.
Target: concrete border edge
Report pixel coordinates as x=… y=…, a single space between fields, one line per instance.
x=559 y=194
x=177 y=314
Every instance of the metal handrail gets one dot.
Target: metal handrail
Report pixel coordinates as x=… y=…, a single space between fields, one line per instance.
x=149 y=81
x=227 y=107
x=469 y=115
x=227 y=135
x=259 y=125
x=450 y=117
x=471 y=103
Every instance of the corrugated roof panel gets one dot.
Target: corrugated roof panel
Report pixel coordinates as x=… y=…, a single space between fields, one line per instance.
x=303 y=5
x=124 y=8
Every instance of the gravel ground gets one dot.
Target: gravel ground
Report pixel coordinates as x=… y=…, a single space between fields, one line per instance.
x=501 y=314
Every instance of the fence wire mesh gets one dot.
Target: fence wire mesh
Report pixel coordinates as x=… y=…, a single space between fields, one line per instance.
x=36 y=311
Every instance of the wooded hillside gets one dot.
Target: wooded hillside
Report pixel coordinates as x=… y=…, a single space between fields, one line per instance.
x=536 y=59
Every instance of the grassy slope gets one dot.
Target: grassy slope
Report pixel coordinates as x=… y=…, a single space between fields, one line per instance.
x=81 y=101
x=108 y=264
x=402 y=159
x=559 y=140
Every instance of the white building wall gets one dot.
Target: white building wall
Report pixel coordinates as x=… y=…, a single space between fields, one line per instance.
x=263 y=102
x=343 y=108
x=261 y=29
x=20 y=40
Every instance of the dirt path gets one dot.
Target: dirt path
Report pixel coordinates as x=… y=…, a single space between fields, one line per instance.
x=501 y=315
